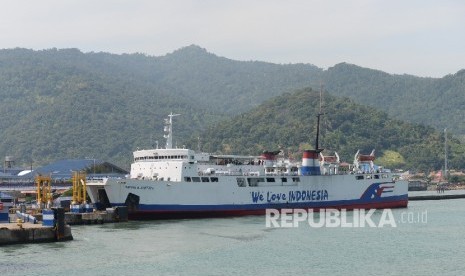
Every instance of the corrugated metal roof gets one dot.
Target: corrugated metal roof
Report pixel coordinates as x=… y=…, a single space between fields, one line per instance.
x=66 y=167
x=63 y=169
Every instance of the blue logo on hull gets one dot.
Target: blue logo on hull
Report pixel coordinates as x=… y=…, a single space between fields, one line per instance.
x=376 y=190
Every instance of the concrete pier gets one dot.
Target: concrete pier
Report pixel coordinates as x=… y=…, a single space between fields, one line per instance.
x=11 y=233
x=433 y=195
x=111 y=215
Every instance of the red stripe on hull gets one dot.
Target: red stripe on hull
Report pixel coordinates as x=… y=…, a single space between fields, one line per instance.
x=159 y=215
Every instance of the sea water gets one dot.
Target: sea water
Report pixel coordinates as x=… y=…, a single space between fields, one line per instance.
x=245 y=246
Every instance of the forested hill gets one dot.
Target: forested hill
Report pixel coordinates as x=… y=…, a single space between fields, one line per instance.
x=68 y=104
x=288 y=122
x=435 y=102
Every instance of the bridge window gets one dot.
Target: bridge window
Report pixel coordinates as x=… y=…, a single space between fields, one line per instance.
x=359 y=177
x=241 y=182
x=270 y=179
x=253 y=182
x=295 y=179
x=205 y=179
x=214 y=179
x=187 y=179
x=196 y=179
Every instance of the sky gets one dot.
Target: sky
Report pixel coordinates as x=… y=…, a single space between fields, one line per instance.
x=417 y=37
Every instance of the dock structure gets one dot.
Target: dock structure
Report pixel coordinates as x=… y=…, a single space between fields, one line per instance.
x=55 y=225
x=436 y=197
x=111 y=215
x=14 y=233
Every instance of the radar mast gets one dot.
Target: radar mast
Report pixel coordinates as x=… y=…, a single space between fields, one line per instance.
x=169 y=130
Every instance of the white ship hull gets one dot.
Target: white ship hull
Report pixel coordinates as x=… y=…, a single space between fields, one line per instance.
x=148 y=199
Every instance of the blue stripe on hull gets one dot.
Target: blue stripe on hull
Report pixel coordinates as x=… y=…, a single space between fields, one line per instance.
x=145 y=211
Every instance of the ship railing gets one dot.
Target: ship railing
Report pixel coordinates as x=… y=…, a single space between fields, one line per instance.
x=221 y=173
x=281 y=174
x=99 y=180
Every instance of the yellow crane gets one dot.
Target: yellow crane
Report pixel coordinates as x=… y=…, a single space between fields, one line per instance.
x=79 y=188
x=44 y=191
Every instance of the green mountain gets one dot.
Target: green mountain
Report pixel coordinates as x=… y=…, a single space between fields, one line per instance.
x=58 y=104
x=67 y=104
x=435 y=102
x=288 y=122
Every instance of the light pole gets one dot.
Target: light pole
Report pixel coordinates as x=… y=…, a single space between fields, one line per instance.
x=445 y=154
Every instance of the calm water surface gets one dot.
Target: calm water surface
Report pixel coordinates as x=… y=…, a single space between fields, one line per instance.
x=244 y=246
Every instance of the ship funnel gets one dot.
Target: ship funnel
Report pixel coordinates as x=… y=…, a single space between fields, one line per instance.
x=269 y=158
x=311 y=162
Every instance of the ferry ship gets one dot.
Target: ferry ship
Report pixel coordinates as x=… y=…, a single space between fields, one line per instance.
x=181 y=183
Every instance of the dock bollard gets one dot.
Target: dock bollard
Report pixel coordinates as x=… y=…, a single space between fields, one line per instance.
x=19 y=222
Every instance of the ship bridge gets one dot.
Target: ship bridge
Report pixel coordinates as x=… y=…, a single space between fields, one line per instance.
x=160 y=164
x=155 y=155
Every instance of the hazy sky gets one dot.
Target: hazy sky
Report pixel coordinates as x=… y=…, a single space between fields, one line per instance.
x=418 y=37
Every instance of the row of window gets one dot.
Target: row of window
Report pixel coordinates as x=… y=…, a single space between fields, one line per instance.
x=162 y=157
x=369 y=176
x=200 y=179
x=241 y=182
x=253 y=181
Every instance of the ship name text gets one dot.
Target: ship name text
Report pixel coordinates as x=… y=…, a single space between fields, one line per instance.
x=292 y=196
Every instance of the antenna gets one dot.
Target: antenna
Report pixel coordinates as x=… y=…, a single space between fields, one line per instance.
x=317 y=131
x=320 y=113
x=169 y=130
